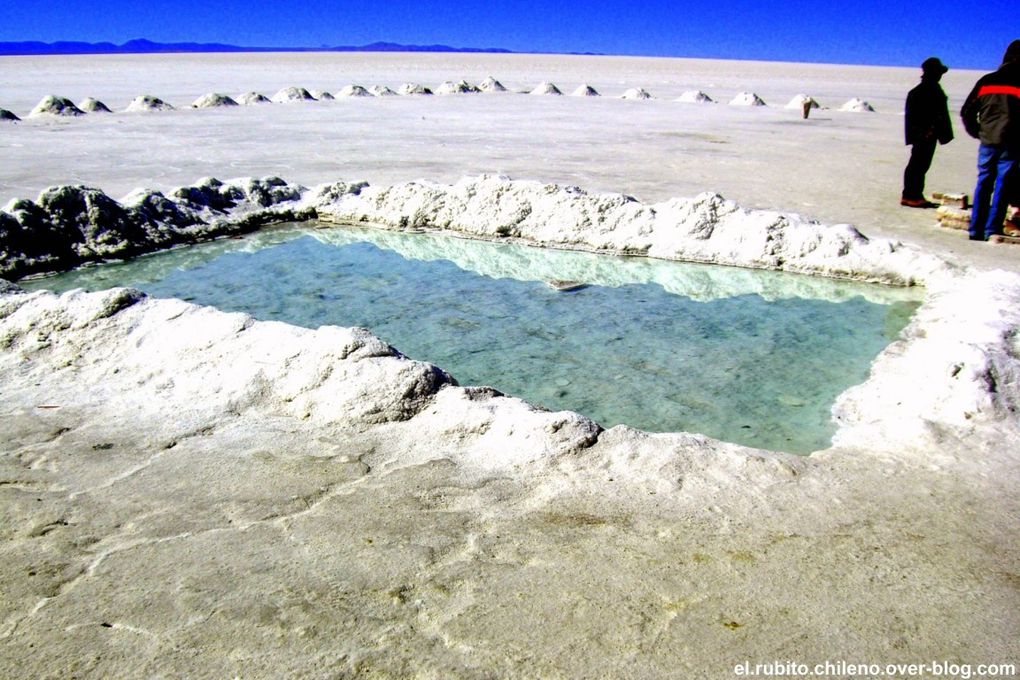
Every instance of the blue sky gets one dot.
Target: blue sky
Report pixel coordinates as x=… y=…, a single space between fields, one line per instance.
x=964 y=33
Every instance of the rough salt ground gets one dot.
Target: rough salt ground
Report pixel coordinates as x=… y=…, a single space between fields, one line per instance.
x=307 y=525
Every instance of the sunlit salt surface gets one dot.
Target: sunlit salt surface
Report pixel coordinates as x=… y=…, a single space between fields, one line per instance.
x=756 y=358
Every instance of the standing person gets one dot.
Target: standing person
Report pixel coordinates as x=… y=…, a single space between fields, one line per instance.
x=992 y=114
x=927 y=124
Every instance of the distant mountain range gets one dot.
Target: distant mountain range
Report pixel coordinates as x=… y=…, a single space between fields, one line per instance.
x=142 y=46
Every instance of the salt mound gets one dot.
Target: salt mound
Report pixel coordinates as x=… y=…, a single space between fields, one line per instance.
x=747 y=99
x=146 y=102
x=322 y=96
x=381 y=91
x=8 y=116
x=249 y=98
x=354 y=91
x=463 y=87
x=546 y=88
x=90 y=105
x=52 y=105
x=292 y=94
x=584 y=90
x=635 y=93
x=800 y=100
x=857 y=105
x=490 y=84
x=413 y=88
x=213 y=100
x=695 y=97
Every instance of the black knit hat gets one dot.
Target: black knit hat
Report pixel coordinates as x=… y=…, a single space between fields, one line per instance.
x=1012 y=52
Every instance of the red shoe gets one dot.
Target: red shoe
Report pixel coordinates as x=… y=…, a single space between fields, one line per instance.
x=917 y=203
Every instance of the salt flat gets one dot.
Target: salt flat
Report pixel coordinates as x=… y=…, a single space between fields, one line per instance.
x=836 y=166
x=191 y=493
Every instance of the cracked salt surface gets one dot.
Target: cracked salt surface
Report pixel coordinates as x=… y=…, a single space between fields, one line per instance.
x=712 y=355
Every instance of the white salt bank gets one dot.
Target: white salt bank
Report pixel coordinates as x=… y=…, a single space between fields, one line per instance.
x=450 y=87
x=695 y=97
x=213 y=100
x=857 y=105
x=52 y=105
x=490 y=84
x=147 y=102
x=92 y=105
x=802 y=100
x=414 y=89
x=546 y=88
x=747 y=99
x=584 y=90
x=381 y=91
x=353 y=91
x=635 y=93
x=250 y=98
x=292 y=94
x=321 y=95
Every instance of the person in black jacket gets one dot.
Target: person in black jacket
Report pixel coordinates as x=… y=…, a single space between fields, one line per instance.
x=927 y=124
x=992 y=114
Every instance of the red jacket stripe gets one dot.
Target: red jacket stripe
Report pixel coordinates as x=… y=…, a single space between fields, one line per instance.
x=999 y=89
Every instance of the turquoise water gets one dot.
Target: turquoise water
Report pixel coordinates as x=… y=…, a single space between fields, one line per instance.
x=756 y=358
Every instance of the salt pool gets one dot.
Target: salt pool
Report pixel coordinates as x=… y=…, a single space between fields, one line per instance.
x=751 y=357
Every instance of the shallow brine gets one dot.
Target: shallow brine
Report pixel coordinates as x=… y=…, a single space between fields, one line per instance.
x=752 y=357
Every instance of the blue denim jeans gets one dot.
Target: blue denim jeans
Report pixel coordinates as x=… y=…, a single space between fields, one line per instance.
x=995 y=164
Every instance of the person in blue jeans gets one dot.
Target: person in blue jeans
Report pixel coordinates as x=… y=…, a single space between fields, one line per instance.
x=991 y=113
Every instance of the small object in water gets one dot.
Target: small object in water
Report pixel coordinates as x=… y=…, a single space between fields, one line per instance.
x=565 y=286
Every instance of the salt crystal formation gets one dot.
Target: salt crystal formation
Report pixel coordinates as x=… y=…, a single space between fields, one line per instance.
x=52 y=105
x=249 y=98
x=635 y=93
x=292 y=94
x=490 y=84
x=213 y=100
x=91 y=105
x=322 y=95
x=857 y=105
x=584 y=90
x=695 y=97
x=146 y=102
x=747 y=99
x=546 y=88
x=69 y=225
x=381 y=91
x=413 y=89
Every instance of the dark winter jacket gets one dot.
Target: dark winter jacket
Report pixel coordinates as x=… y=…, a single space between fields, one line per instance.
x=992 y=110
x=927 y=114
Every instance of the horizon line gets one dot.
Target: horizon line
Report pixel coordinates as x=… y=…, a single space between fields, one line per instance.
x=29 y=48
